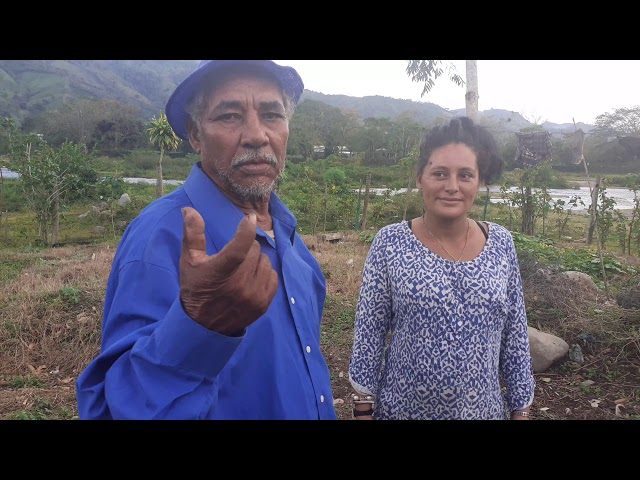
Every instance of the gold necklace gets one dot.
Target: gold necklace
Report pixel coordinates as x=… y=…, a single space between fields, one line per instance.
x=445 y=248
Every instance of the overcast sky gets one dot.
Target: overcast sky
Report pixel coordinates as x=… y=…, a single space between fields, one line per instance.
x=557 y=91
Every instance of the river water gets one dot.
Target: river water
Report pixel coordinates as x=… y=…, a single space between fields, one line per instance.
x=623 y=197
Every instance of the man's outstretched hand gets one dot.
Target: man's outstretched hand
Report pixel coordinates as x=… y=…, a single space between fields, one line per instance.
x=227 y=291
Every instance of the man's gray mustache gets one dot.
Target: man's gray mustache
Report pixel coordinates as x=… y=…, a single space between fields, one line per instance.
x=270 y=159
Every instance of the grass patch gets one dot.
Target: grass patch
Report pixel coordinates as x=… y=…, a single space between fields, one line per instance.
x=26 y=381
x=43 y=409
x=11 y=269
x=337 y=325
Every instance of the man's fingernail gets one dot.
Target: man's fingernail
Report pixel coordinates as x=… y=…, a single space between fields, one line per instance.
x=184 y=212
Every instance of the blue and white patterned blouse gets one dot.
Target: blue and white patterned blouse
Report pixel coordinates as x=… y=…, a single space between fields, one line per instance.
x=457 y=331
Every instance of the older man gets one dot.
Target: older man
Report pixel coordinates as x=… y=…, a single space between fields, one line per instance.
x=213 y=305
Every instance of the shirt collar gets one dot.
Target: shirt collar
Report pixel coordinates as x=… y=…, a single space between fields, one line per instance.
x=221 y=216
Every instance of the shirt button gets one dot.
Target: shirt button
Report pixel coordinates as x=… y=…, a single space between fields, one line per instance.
x=293 y=301
x=321 y=398
x=308 y=349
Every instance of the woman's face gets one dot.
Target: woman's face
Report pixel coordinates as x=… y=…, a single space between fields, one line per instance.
x=450 y=181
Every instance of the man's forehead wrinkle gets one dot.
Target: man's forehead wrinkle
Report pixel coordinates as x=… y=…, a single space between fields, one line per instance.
x=238 y=105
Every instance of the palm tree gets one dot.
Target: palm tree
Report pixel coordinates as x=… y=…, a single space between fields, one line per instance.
x=428 y=71
x=161 y=134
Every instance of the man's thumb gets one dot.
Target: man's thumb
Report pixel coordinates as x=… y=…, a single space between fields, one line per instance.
x=194 y=243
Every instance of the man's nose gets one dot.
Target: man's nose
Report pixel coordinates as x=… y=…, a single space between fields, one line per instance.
x=254 y=134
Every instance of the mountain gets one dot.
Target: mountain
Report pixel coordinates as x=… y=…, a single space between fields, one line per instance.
x=377 y=106
x=31 y=87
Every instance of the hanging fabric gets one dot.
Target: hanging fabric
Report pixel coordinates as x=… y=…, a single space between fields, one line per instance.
x=576 y=142
x=533 y=148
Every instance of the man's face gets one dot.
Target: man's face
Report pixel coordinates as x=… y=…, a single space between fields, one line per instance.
x=243 y=137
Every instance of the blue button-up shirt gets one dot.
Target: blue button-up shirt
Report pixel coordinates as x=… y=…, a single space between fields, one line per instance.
x=157 y=363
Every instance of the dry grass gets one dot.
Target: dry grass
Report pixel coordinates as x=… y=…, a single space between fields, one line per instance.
x=51 y=308
x=50 y=316
x=341 y=262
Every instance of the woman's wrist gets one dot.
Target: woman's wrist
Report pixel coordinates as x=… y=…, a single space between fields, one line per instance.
x=362 y=405
x=520 y=414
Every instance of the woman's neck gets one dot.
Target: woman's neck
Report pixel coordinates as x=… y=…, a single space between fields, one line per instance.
x=446 y=228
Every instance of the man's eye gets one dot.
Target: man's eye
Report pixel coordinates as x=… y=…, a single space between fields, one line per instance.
x=227 y=116
x=273 y=115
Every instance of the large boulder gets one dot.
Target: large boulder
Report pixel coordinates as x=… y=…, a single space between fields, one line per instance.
x=546 y=349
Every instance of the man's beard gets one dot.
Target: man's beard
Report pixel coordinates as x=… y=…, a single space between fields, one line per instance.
x=256 y=192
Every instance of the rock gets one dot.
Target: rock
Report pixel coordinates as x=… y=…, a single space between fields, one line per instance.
x=629 y=298
x=99 y=229
x=546 y=349
x=575 y=353
x=124 y=200
x=581 y=278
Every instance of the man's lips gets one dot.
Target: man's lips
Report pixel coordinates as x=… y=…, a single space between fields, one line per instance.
x=255 y=168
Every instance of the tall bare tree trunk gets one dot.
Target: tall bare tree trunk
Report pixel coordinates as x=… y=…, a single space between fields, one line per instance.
x=528 y=220
x=324 y=207
x=407 y=197
x=365 y=204
x=593 y=212
x=159 y=183
x=55 y=220
x=356 y=225
x=472 y=96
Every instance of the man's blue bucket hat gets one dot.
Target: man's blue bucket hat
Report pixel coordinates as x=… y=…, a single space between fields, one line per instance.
x=289 y=79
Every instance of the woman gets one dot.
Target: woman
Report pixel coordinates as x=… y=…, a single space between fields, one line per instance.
x=441 y=326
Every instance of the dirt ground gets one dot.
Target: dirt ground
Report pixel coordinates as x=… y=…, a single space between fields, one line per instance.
x=50 y=315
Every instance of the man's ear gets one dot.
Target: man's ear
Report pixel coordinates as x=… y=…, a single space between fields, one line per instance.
x=194 y=135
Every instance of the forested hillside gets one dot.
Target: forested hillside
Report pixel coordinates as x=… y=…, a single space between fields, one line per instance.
x=31 y=87
x=106 y=105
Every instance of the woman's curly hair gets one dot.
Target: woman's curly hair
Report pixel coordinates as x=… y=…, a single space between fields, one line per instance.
x=477 y=138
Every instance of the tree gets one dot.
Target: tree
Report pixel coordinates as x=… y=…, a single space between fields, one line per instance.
x=105 y=124
x=49 y=176
x=76 y=122
x=622 y=121
x=374 y=140
x=161 y=134
x=315 y=123
x=119 y=128
x=428 y=71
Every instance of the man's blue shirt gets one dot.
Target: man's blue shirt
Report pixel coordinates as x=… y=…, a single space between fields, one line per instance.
x=157 y=363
